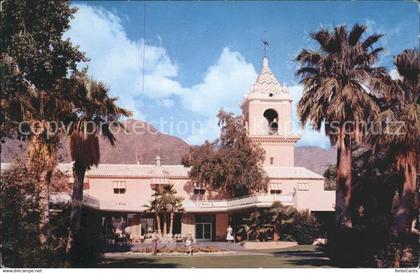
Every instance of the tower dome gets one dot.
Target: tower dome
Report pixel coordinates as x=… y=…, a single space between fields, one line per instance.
x=267 y=86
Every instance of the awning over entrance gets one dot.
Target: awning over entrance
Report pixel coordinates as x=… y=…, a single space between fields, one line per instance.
x=275 y=186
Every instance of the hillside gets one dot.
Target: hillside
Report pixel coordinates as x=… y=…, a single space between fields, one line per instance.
x=139 y=143
x=314 y=158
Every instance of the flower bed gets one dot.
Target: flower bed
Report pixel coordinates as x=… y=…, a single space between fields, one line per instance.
x=180 y=250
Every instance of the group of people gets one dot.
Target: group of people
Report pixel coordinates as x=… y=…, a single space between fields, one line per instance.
x=188 y=243
x=189 y=240
x=122 y=234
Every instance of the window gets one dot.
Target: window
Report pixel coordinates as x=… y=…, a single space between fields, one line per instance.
x=275 y=191
x=199 y=191
x=272 y=116
x=271 y=160
x=119 y=187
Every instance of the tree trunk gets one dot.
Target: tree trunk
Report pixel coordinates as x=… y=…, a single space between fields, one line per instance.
x=43 y=203
x=408 y=201
x=276 y=235
x=165 y=223
x=76 y=210
x=158 y=223
x=42 y=161
x=344 y=179
x=171 y=223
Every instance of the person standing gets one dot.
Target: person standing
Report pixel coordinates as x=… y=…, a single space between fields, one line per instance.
x=155 y=240
x=188 y=244
x=127 y=232
x=229 y=236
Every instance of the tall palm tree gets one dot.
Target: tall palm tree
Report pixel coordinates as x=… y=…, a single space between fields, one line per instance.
x=171 y=202
x=339 y=79
x=166 y=201
x=39 y=115
x=402 y=130
x=176 y=207
x=160 y=208
x=96 y=114
x=154 y=207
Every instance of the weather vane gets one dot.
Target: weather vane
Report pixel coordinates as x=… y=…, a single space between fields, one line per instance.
x=265 y=45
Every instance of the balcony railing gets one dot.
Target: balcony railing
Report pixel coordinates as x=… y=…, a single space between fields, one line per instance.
x=91 y=201
x=252 y=201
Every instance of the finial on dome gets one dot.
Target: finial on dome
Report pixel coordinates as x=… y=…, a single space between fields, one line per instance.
x=265 y=45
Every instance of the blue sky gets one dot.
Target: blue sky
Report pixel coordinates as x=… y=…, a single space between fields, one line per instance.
x=201 y=56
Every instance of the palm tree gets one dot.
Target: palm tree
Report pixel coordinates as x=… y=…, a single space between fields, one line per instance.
x=41 y=113
x=96 y=114
x=264 y=221
x=339 y=79
x=176 y=207
x=401 y=132
x=35 y=64
x=170 y=203
x=284 y=217
x=154 y=207
x=159 y=208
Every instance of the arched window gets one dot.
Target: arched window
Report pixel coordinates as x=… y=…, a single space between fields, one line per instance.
x=272 y=116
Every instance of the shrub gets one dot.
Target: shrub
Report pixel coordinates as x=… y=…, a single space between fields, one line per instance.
x=19 y=226
x=329 y=177
x=305 y=228
x=89 y=242
x=18 y=220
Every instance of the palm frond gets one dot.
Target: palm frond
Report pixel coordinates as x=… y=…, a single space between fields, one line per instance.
x=355 y=34
x=371 y=40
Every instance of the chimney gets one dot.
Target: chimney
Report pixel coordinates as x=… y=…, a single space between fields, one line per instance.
x=138 y=158
x=158 y=161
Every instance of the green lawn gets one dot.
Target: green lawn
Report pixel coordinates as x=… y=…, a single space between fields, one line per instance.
x=300 y=256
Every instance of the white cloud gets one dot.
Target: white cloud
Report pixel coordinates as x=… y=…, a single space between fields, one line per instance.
x=168 y=103
x=224 y=85
x=209 y=130
x=118 y=61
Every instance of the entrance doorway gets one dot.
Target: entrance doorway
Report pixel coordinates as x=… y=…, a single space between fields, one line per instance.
x=203 y=231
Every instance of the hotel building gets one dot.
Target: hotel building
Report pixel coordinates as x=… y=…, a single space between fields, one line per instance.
x=119 y=192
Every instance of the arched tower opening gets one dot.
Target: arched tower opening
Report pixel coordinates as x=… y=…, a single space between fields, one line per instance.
x=272 y=118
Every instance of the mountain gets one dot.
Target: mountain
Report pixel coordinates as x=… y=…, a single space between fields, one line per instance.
x=314 y=158
x=141 y=143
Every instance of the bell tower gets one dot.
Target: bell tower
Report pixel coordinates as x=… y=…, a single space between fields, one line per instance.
x=267 y=110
